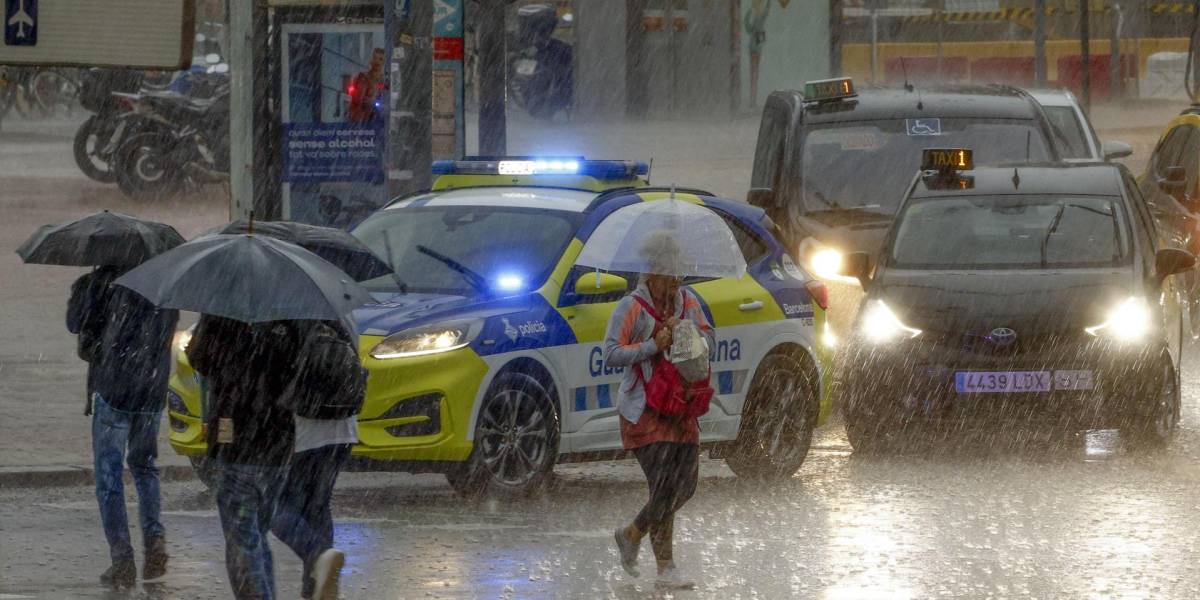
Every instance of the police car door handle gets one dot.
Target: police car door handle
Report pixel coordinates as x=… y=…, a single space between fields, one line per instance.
x=749 y=306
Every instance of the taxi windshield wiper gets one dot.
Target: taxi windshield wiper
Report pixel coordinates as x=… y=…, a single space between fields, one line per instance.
x=1050 y=231
x=471 y=277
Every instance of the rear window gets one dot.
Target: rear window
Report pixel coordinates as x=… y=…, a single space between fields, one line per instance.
x=1011 y=232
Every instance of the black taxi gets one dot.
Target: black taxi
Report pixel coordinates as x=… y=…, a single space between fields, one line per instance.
x=1016 y=294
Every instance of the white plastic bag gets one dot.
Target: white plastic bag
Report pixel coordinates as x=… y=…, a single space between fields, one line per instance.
x=689 y=352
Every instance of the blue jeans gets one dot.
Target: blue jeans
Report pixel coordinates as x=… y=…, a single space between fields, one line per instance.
x=246 y=497
x=120 y=436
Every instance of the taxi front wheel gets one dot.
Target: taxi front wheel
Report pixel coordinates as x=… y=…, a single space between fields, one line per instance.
x=516 y=441
x=777 y=422
x=1159 y=422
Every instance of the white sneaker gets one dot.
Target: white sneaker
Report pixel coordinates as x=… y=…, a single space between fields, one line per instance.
x=326 y=571
x=671 y=579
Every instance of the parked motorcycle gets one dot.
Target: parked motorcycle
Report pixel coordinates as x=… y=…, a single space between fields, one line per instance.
x=541 y=70
x=185 y=143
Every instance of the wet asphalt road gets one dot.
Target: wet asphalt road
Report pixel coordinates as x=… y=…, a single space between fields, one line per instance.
x=1079 y=518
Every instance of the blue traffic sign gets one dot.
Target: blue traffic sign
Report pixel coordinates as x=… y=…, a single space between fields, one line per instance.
x=20 y=22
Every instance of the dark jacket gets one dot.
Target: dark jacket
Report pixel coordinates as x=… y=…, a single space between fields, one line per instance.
x=246 y=369
x=130 y=360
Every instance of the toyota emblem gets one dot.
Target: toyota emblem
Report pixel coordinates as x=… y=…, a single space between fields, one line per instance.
x=1003 y=336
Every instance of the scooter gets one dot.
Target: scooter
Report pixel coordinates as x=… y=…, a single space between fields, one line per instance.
x=541 y=71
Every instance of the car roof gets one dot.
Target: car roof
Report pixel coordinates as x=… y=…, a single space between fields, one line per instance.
x=542 y=198
x=1076 y=179
x=949 y=101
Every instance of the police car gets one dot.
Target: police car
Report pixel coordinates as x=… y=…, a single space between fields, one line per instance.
x=485 y=350
x=832 y=162
x=1014 y=295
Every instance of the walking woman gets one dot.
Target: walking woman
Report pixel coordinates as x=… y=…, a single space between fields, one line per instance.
x=667 y=448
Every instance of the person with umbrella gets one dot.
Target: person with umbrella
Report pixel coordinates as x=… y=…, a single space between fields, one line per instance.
x=126 y=341
x=250 y=290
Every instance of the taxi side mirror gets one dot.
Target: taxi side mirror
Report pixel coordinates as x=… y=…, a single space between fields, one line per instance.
x=1112 y=149
x=600 y=284
x=858 y=265
x=761 y=197
x=1169 y=261
x=1174 y=180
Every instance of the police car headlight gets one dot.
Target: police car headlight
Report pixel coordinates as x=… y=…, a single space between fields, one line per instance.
x=433 y=339
x=879 y=324
x=1129 y=321
x=182 y=339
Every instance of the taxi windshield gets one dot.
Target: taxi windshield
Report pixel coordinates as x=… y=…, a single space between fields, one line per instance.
x=467 y=250
x=1011 y=232
x=866 y=166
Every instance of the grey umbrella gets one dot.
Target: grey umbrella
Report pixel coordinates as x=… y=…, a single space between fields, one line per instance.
x=249 y=278
x=334 y=245
x=103 y=238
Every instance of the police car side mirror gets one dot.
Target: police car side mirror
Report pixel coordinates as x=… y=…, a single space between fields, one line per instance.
x=761 y=197
x=1169 y=261
x=1174 y=180
x=857 y=264
x=1115 y=149
x=600 y=284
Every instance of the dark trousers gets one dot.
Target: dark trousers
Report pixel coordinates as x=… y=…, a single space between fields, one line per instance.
x=246 y=499
x=303 y=519
x=672 y=471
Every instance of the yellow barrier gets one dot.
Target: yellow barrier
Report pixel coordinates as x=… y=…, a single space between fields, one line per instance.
x=856 y=58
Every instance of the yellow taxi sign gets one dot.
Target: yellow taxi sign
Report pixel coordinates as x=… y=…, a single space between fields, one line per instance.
x=829 y=89
x=947 y=159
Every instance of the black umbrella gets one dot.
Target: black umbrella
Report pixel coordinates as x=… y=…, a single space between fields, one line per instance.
x=337 y=246
x=249 y=278
x=104 y=238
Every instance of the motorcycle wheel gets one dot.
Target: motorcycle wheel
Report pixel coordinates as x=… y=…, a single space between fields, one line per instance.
x=144 y=169
x=93 y=136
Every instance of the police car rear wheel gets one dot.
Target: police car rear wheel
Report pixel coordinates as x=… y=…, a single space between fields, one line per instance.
x=777 y=425
x=516 y=441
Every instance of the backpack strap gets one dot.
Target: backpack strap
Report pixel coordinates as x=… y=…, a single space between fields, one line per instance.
x=649 y=308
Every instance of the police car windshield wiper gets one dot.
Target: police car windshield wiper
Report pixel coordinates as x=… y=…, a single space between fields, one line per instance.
x=471 y=277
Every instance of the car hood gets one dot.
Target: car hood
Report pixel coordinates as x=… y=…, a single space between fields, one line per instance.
x=1040 y=302
x=395 y=312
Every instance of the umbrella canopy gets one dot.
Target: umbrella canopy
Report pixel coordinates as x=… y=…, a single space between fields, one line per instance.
x=247 y=278
x=102 y=239
x=337 y=246
x=665 y=237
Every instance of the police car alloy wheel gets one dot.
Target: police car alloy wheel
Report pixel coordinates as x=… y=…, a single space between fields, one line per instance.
x=777 y=425
x=516 y=440
x=1158 y=426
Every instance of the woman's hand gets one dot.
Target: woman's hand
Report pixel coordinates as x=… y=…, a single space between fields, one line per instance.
x=663 y=338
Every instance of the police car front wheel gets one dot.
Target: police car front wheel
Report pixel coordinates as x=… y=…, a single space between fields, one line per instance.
x=516 y=440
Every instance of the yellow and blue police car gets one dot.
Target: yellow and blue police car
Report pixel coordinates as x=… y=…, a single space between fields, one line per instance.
x=485 y=350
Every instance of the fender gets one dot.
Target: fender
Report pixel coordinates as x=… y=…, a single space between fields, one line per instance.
x=497 y=364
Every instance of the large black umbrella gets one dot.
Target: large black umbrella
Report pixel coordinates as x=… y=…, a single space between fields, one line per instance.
x=337 y=246
x=249 y=278
x=104 y=238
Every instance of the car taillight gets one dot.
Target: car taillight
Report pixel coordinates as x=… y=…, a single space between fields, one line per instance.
x=819 y=292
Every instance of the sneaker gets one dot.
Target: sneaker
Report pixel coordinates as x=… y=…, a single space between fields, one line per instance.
x=671 y=579
x=326 y=572
x=122 y=574
x=155 y=565
x=628 y=551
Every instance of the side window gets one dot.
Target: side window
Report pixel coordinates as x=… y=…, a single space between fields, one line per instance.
x=1145 y=229
x=753 y=247
x=1170 y=151
x=768 y=153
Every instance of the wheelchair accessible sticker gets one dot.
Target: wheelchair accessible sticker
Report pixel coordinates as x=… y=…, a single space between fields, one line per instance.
x=921 y=127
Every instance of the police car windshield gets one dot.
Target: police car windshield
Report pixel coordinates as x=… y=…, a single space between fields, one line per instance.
x=867 y=165
x=1011 y=232
x=467 y=250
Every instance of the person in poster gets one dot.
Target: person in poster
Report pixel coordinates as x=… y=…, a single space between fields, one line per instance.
x=367 y=91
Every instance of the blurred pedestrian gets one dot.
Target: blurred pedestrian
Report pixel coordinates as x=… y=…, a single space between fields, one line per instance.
x=755 y=23
x=667 y=447
x=127 y=343
x=327 y=393
x=250 y=436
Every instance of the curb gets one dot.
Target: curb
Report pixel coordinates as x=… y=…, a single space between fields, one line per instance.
x=75 y=476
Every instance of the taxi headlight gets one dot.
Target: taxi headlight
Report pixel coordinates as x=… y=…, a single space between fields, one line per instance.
x=1129 y=321
x=824 y=262
x=879 y=324
x=432 y=339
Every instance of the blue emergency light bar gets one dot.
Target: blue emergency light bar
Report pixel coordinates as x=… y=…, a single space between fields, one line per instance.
x=543 y=165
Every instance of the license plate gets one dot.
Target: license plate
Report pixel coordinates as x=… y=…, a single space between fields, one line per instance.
x=526 y=66
x=1019 y=382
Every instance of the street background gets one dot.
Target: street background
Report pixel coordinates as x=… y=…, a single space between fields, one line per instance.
x=1015 y=521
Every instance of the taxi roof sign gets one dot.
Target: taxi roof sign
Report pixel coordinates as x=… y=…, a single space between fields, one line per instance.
x=824 y=90
x=947 y=159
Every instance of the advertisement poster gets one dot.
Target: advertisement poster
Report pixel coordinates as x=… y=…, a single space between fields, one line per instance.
x=449 y=136
x=335 y=105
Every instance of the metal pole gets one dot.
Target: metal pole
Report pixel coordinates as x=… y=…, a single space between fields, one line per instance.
x=1039 y=42
x=241 y=108
x=414 y=131
x=493 y=68
x=874 y=43
x=1085 y=50
x=1114 y=44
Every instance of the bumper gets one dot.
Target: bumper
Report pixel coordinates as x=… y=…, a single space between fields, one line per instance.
x=916 y=383
x=417 y=410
